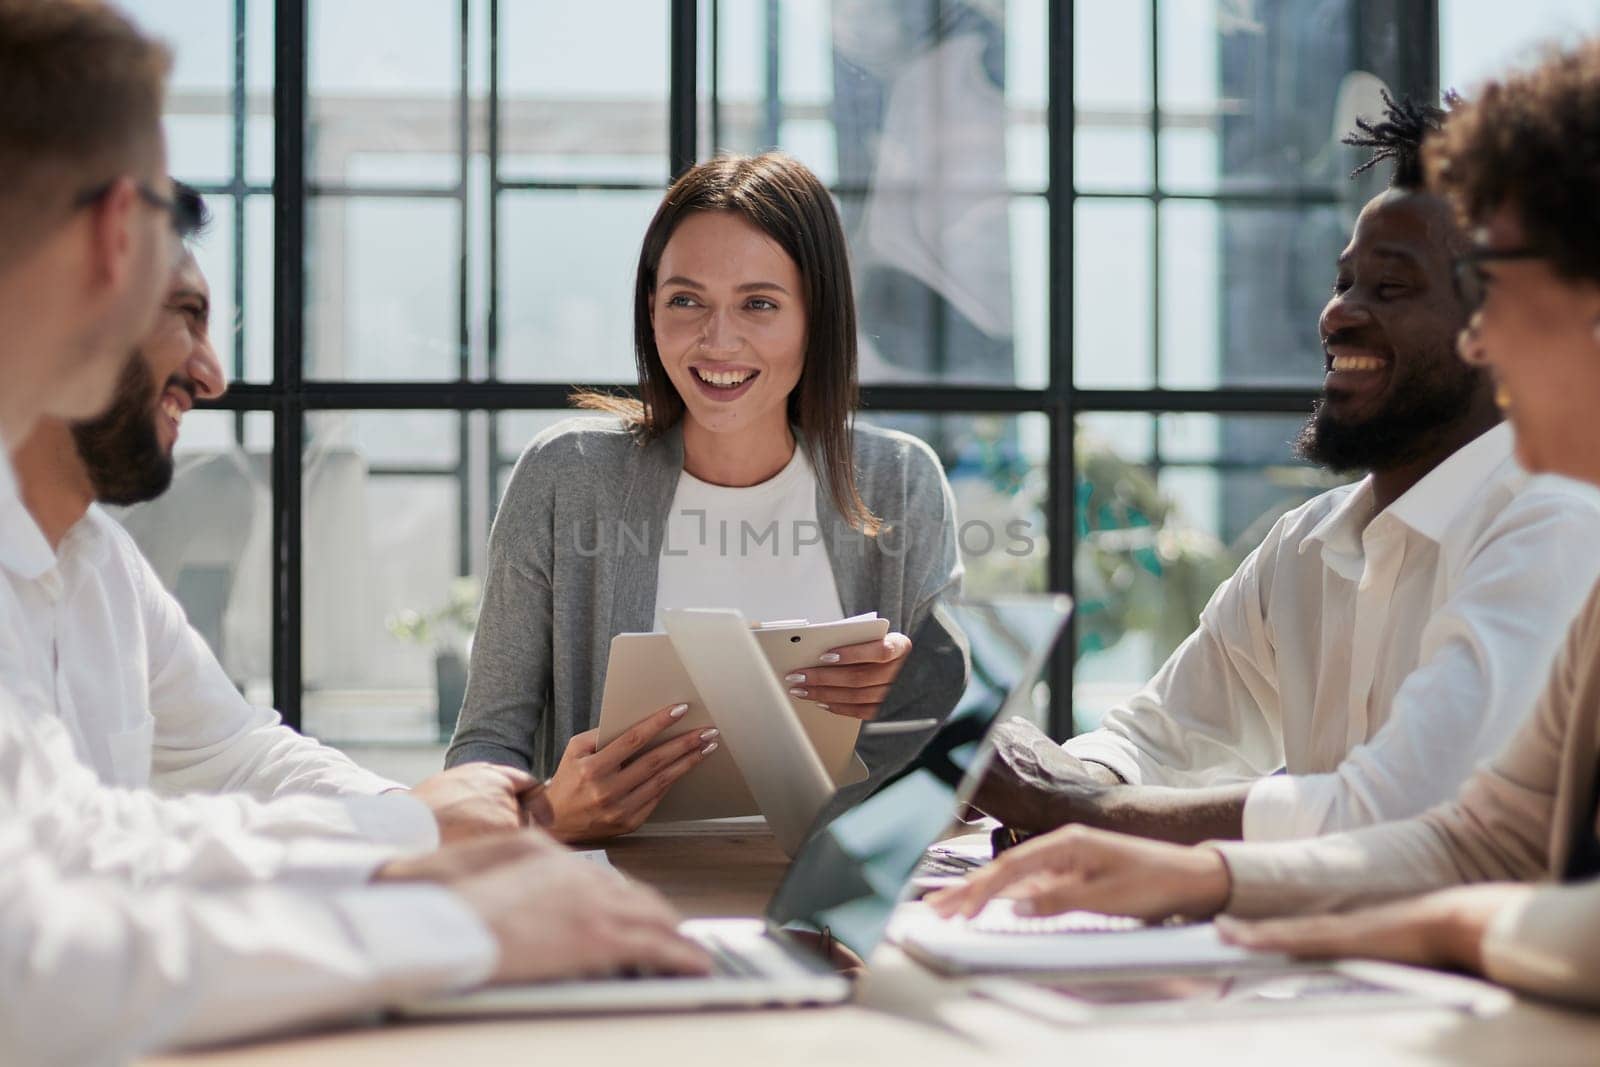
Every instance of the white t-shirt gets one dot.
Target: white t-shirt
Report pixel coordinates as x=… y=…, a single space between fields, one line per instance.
x=758 y=549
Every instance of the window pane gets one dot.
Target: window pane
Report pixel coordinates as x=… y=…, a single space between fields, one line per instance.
x=996 y=465
x=1168 y=506
x=199 y=120
x=381 y=289
x=384 y=92
x=584 y=90
x=1111 y=278
x=1258 y=102
x=1111 y=85
x=1480 y=38
x=566 y=287
x=926 y=120
x=1241 y=291
x=385 y=617
x=201 y=135
x=209 y=539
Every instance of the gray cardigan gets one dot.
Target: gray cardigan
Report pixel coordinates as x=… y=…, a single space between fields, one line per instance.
x=573 y=560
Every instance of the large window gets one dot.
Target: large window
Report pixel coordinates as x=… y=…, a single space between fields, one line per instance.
x=1090 y=242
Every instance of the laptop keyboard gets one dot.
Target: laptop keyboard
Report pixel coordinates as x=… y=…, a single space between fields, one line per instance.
x=1001 y=920
x=728 y=960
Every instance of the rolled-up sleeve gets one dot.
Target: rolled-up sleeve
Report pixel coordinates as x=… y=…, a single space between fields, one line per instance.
x=1211 y=715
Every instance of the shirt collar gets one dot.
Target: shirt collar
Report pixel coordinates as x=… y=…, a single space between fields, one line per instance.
x=1430 y=506
x=1339 y=532
x=23 y=548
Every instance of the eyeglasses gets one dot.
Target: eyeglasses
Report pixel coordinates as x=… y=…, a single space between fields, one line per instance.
x=181 y=213
x=1472 y=283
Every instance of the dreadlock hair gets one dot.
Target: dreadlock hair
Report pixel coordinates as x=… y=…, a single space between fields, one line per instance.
x=1406 y=124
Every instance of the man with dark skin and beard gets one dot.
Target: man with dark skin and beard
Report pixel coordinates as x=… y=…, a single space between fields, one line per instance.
x=1387 y=635
x=146 y=702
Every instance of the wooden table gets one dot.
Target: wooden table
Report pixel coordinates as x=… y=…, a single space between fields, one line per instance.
x=902 y=1015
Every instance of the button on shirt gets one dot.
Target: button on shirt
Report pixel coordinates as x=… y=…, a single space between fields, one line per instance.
x=146 y=703
x=1376 y=658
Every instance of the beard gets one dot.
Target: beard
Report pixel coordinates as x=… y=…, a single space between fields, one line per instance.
x=121 y=448
x=1433 y=393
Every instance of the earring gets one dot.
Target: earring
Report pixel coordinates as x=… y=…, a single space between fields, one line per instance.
x=1502 y=397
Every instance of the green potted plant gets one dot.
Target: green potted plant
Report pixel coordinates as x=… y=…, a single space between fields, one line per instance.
x=448 y=631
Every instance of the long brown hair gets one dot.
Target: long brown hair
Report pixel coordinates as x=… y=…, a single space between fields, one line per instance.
x=782 y=198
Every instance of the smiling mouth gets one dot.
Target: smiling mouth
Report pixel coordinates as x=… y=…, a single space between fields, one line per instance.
x=176 y=401
x=1357 y=363
x=724 y=379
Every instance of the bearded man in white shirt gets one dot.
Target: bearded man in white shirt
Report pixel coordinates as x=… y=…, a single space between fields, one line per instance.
x=145 y=700
x=1386 y=636
x=128 y=921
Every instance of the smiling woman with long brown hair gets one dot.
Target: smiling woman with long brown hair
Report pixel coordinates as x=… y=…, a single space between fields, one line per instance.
x=737 y=479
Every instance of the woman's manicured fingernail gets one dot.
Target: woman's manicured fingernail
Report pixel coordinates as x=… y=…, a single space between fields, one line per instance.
x=824 y=707
x=678 y=711
x=799 y=692
x=829 y=657
x=706 y=735
x=712 y=747
x=794 y=678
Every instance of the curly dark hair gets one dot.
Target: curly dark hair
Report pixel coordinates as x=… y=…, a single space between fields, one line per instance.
x=1398 y=138
x=1531 y=141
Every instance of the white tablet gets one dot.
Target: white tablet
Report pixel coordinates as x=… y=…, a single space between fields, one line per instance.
x=645 y=673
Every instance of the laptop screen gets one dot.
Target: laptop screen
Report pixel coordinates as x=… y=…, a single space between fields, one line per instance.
x=861 y=854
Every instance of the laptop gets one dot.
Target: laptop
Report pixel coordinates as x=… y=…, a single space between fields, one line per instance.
x=856 y=863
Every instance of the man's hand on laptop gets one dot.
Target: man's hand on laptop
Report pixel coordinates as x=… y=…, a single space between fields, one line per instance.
x=853 y=680
x=1079 y=868
x=1033 y=784
x=556 y=916
x=606 y=792
x=482 y=798
x=453 y=863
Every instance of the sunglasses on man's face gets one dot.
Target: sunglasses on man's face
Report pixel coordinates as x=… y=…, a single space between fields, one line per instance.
x=1472 y=282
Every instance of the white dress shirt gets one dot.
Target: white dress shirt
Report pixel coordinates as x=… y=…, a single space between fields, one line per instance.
x=146 y=702
x=1376 y=659
x=129 y=922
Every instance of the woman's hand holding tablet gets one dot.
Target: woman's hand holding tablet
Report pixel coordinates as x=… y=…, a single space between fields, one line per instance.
x=854 y=679
x=600 y=792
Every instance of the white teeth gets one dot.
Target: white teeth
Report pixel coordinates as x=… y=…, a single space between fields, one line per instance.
x=172 y=409
x=1361 y=363
x=724 y=378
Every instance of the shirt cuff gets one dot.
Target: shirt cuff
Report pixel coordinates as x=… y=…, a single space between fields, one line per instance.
x=1094 y=749
x=1270 y=810
x=420 y=939
x=396 y=819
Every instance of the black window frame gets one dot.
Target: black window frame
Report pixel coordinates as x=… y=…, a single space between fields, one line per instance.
x=290 y=397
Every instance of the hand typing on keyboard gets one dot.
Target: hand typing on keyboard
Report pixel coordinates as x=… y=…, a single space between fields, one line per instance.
x=1078 y=868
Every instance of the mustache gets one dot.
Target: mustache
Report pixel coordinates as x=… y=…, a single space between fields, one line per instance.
x=180 y=381
x=1352 y=337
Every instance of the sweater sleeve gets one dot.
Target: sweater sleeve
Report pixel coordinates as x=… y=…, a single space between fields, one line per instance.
x=509 y=681
x=1547 y=942
x=935 y=673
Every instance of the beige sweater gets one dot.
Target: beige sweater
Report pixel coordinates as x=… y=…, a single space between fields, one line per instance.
x=1513 y=820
